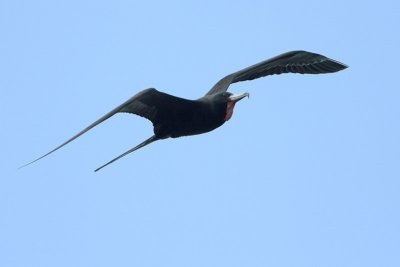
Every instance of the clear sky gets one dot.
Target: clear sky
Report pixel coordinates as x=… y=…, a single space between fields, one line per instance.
x=306 y=173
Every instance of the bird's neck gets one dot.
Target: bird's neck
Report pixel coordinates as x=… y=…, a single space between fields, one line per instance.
x=229 y=110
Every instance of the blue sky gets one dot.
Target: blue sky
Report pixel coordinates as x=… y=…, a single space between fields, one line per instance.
x=306 y=173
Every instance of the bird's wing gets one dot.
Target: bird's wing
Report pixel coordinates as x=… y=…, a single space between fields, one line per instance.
x=291 y=62
x=146 y=103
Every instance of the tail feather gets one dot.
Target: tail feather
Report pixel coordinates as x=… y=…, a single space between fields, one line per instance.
x=144 y=143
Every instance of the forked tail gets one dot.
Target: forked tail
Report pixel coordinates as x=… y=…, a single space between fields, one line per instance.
x=146 y=142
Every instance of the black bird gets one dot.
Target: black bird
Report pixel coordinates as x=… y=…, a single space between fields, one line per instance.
x=175 y=117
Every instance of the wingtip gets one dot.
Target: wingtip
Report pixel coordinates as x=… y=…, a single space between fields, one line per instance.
x=337 y=65
x=21 y=167
x=343 y=66
x=29 y=163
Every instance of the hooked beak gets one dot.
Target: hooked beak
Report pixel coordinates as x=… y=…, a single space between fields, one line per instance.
x=236 y=98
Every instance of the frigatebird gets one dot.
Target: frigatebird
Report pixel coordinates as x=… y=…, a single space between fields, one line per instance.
x=175 y=117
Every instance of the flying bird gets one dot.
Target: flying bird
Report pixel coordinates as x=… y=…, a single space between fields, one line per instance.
x=175 y=117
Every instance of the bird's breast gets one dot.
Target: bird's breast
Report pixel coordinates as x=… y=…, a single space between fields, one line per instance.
x=197 y=119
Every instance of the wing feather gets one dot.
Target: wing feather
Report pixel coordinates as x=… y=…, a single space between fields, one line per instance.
x=302 y=62
x=147 y=103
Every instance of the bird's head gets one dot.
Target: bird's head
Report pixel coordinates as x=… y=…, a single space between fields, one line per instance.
x=228 y=100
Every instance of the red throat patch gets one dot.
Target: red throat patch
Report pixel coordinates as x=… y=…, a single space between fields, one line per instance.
x=229 y=110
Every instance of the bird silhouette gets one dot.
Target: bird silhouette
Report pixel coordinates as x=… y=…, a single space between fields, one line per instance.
x=175 y=117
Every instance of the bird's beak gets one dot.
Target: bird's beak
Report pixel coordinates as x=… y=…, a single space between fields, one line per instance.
x=236 y=98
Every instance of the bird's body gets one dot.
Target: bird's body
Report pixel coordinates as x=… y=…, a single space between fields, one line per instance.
x=175 y=117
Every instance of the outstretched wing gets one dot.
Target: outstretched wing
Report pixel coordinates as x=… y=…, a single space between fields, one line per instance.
x=291 y=62
x=146 y=103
